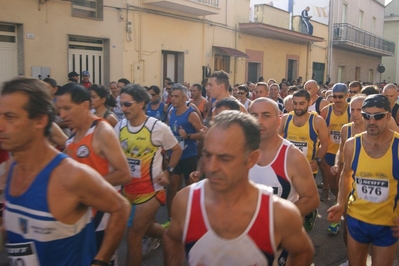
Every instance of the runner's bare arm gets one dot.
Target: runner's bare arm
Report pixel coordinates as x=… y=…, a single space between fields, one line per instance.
x=335 y=212
x=282 y=124
x=88 y=188
x=324 y=138
x=172 y=239
x=302 y=179
x=57 y=135
x=111 y=150
x=290 y=234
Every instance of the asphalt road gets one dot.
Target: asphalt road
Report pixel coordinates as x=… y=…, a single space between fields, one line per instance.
x=330 y=250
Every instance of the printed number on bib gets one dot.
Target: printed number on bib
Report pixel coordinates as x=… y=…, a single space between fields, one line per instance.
x=373 y=190
x=335 y=137
x=22 y=254
x=302 y=146
x=135 y=167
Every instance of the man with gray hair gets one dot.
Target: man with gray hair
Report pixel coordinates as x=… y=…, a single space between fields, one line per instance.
x=391 y=91
x=227 y=212
x=185 y=124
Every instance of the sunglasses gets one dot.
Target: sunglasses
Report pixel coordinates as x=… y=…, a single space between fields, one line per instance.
x=376 y=116
x=153 y=94
x=338 y=96
x=127 y=104
x=241 y=93
x=353 y=92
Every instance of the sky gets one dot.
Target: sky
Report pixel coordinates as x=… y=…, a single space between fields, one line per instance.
x=387 y=2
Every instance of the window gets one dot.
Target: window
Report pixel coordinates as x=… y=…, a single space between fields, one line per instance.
x=88 y=9
x=361 y=13
x=371 y=76
x=87 y=54
x=341 y=71
x=344 y=12
x=222 y=62
x=8 y=52
x=357 y=73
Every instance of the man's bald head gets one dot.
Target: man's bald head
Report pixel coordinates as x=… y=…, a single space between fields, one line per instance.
x=266 y=102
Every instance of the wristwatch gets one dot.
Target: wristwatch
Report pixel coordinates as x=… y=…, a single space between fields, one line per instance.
x=318 y=160
x=170 y=169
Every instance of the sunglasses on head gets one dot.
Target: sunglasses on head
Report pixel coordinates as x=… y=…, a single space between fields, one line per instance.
x=127 y=104
x=376 y=116
x=338 y=96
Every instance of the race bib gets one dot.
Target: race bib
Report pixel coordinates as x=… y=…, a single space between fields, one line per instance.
x=335 y=137
x=22 y=254
x=135 y=167
x=302 y=146
x=373 y=190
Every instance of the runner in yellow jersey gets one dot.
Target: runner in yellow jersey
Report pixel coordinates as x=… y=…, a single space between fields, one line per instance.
x=308 y=132
x=369 y=183
x=336 y=115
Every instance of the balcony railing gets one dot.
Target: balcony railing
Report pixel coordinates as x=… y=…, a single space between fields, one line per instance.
x=346 y=33
x=214 y=3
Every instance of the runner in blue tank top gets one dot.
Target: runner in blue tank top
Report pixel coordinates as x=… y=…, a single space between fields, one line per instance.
x=48 y=197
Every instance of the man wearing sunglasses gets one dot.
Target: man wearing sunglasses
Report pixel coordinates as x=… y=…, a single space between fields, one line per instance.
x=142 y=139
x=369 y=184
x=336 y=115
x=355 y=88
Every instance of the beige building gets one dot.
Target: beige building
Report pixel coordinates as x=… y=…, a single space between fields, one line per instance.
x=391 y=32
x=146 y=41
x=357 y=43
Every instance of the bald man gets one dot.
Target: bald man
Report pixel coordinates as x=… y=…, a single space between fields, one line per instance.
x=317 y=103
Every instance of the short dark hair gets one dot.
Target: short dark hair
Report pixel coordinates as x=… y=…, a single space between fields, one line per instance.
x=302 y=93
x=229 y=103
x=51 y=81
x=199 y=87
x=102 y=92
x=40 y=102
x=243 y=87
x=155 y=88
x=138 y=93
x=124 y=81
x=78 y=93
x=370 y=90
x=355 y=84
x=248 y=124
x=292 y=88
x=221 y=77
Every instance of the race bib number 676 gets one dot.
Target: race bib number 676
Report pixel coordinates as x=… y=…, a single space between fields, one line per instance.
x=373 y=190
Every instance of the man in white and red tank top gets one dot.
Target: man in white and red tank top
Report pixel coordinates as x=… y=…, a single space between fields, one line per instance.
x=226 y=219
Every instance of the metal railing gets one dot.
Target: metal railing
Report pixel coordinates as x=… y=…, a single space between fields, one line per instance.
x=347 y=32
x=214 y=3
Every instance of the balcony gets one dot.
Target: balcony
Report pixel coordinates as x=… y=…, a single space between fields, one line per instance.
x=354 y=39
x=192 y=7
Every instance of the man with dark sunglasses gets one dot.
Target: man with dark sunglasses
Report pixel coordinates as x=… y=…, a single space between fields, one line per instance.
x=336 y=115
x=142 y=139
x=369 y=184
